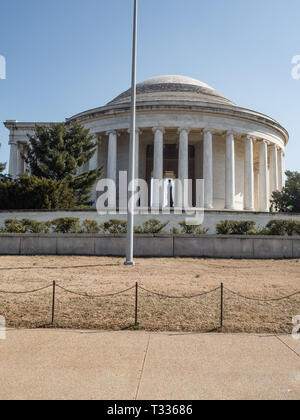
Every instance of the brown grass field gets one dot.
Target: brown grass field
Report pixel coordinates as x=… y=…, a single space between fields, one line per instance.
x=179 y=277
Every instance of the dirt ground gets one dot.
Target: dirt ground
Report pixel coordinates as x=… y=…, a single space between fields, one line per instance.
x=175 y=277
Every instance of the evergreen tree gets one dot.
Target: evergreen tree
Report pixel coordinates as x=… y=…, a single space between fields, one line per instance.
x=2 y=165
x=288 y=200
x=57 y=151
x=2 y=168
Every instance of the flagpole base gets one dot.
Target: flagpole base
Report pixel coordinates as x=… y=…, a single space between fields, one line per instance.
x=129 y=263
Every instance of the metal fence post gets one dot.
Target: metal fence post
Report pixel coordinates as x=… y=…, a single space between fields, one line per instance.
x=53 y=303
x=136 y=303
x=222 y=304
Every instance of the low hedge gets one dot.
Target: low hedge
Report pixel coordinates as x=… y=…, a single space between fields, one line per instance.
x=231 y=227
x=152 y=226
x=273 y=228
x=187 y=229
x=25 y=226
x=111 y=227
x=283 y=227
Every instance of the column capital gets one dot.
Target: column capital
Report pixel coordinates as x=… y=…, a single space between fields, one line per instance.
x=231 y=133
x=274 y=146
x=208 y=130
x=155 y=129
x=181 y=129
x=249 y=137
x=109 y=132
x=263 y=141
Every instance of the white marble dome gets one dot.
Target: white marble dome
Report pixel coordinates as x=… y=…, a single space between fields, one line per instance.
x=177 y=88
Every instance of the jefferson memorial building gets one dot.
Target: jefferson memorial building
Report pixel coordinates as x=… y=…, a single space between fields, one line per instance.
x=186 y=130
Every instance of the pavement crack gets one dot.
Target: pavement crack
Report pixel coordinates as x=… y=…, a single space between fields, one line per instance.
x=142 y=369
x=286 y=345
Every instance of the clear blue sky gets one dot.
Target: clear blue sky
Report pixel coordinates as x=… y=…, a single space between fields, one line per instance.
x=66 y=56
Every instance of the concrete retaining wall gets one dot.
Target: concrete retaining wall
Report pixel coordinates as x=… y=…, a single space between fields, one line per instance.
x=153 y=246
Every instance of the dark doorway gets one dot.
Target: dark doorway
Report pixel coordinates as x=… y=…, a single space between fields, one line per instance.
x=170 y=165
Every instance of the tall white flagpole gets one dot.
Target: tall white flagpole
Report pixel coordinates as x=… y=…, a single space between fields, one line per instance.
x=132 y=175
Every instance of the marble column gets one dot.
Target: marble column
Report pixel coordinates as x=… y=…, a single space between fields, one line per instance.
x=281 y=171
x=13 y=158
x=208 y=168
x=183 y=158
x=230 y=172
x=112 y=156
x=183 y=164
x=256 y=186
x=20 y=160
x=93 y=164
x=263 y=177
x=273 y=169
x=158 y=165
x=249 y=175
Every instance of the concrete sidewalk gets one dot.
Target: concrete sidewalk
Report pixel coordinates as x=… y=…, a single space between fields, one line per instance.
x=62 y=364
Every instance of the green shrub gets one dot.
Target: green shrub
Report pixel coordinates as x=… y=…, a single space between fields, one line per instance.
x=66 y=225
x=114 y=227
x=261 y=231
x=291 y=227
x=33 y=226
x=152 y=226
x=225 y=227
x=273 y=228
x=231 y=227
x=192 y=229
x=90 y=226
x=276 y=227
x=30 y=192
x=25 y=226
x=13 y=226
x=243 y=227
x=283 y=227
x=175 y=231
x=297 y=229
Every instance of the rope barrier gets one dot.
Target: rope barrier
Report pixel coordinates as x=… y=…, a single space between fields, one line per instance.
x=25 y=292
x=261 y=300
x=151 y=292
x=179 y=297
x=221 y=288
x=94 y=296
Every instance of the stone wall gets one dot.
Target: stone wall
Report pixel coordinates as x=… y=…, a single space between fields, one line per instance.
x=211 y=246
